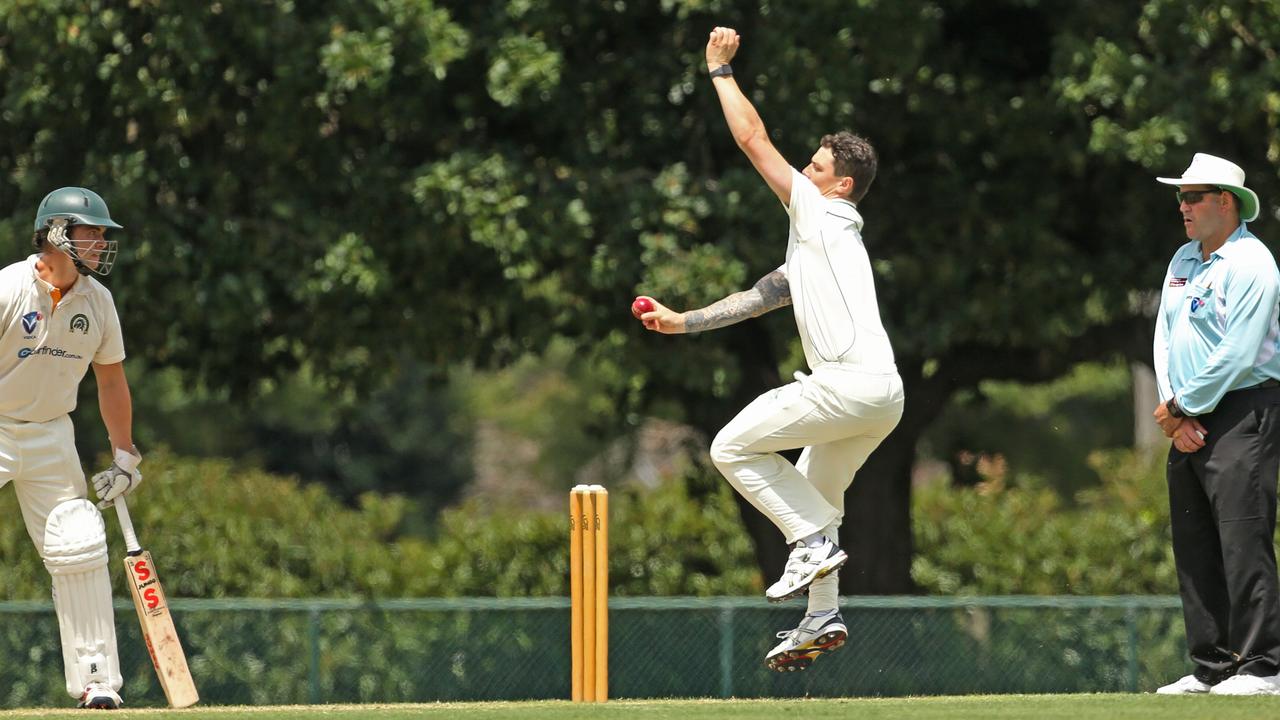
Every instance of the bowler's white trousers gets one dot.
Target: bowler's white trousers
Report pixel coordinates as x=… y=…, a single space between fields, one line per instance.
x=839 y=414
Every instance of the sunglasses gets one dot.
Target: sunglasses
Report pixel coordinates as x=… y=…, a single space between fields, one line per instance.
x=1191 y=197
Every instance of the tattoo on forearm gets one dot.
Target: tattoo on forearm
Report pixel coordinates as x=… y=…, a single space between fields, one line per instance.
x=769 y=293
x=775 y=290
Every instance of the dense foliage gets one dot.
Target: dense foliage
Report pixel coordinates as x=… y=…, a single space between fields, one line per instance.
x=1040 y=435
x=339 y=189
x=219 y=530
x=1000 y=540
x=225 y=531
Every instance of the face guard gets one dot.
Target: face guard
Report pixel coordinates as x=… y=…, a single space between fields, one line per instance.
x=96 y=255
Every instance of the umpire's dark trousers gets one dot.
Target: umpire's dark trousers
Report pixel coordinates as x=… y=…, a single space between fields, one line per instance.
x=1222 y=502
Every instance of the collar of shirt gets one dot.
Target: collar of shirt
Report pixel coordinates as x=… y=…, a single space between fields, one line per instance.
x=846 y=210
x=81 y=286
x=1191 y=252
x=1229 y=247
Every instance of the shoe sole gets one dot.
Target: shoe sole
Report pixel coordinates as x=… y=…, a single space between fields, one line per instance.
x=823 y=571
x=802 y=658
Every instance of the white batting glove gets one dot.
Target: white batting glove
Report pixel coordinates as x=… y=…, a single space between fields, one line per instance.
x=120 y=479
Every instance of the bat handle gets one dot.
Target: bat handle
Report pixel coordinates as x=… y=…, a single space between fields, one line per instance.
x=126 y=526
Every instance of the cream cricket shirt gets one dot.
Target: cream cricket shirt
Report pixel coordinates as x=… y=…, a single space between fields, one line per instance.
x=44 y=352
x=832 y=289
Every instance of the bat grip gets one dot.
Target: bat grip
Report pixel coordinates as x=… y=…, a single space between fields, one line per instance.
x=131 y=545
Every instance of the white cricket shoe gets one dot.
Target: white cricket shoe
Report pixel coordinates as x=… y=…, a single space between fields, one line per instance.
x=1188 y=685
x=800 y=647
x=804 y=565
x=1248 y=685
x=100 y=696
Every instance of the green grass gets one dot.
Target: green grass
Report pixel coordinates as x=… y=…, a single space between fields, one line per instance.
x=972 y=707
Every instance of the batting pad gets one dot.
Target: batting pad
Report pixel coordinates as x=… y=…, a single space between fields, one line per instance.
x=75 y=553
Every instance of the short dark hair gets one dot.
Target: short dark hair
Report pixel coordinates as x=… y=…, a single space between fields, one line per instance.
x=1235 y=200
x=855 y=158
x=39 y=238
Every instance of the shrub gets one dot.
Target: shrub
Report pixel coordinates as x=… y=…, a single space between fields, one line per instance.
x=220 y=530
x=996 y=540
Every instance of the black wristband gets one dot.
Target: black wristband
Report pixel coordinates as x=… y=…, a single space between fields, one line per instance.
x=722 y=71
x=1174 y=410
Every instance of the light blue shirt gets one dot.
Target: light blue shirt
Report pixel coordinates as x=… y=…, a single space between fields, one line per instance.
x=1217 y=329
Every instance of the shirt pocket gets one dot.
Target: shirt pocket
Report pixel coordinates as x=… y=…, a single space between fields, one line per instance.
x=1200 y=299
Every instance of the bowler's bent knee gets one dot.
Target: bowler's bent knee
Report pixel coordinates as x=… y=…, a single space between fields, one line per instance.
x=726 y=450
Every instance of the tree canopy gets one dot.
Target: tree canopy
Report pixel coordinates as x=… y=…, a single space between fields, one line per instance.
x=341 y=188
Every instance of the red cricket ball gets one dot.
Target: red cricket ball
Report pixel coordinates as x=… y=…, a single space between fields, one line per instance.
x=640 y=306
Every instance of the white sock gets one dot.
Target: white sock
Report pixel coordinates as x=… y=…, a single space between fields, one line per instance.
x=824 y=594
x=832 y=532
x=814 y=540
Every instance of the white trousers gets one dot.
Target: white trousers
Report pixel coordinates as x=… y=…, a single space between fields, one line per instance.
x=40 y=460
x=839 y=415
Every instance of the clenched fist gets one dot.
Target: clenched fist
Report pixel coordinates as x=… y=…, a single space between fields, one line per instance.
x=721 y=47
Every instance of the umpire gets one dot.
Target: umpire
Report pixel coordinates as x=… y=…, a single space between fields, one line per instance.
x=1217 y=364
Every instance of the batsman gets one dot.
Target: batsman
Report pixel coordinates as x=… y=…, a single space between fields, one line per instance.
x=851 y=399
x=57 y=321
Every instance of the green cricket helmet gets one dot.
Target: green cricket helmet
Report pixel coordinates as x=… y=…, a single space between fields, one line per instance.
x=80 y=205
x=69 y=206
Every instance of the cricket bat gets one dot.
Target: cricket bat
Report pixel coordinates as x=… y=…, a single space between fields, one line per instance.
x=153 y=614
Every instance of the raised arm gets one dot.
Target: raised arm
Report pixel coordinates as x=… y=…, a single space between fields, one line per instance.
x=744 y=122
x=769 y=293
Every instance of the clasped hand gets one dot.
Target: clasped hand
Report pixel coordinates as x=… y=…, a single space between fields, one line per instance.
x=1187 y=433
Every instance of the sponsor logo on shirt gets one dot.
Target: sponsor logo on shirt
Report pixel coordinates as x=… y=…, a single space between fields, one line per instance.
x=80 y=323
x=1196 y=304
x=1177 y=282
x=49 y=351
x=29 y=322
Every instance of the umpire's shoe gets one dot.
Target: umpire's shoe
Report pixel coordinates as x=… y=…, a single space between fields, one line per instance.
x=1248 y=685
x=99 y=696
x=800 y=647
x=1186 y=685
x=805 y=565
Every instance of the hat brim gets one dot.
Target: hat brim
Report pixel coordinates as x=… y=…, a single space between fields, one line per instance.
x=1248 y=198
x=94 y=220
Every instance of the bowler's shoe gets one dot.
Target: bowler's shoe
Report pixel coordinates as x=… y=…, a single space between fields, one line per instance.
x=800 y=647
x=804 y=565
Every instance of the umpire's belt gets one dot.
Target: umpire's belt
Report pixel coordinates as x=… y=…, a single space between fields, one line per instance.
x=1272 y=383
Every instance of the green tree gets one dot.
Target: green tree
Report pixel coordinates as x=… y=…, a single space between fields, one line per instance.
x=416 y=444
x=1042 y=435
x=341 y=187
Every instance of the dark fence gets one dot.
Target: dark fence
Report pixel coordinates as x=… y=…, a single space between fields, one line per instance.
x=270 y=652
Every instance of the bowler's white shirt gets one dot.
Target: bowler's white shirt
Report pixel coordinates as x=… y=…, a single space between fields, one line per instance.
x=833 y=292
x=45 y=352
